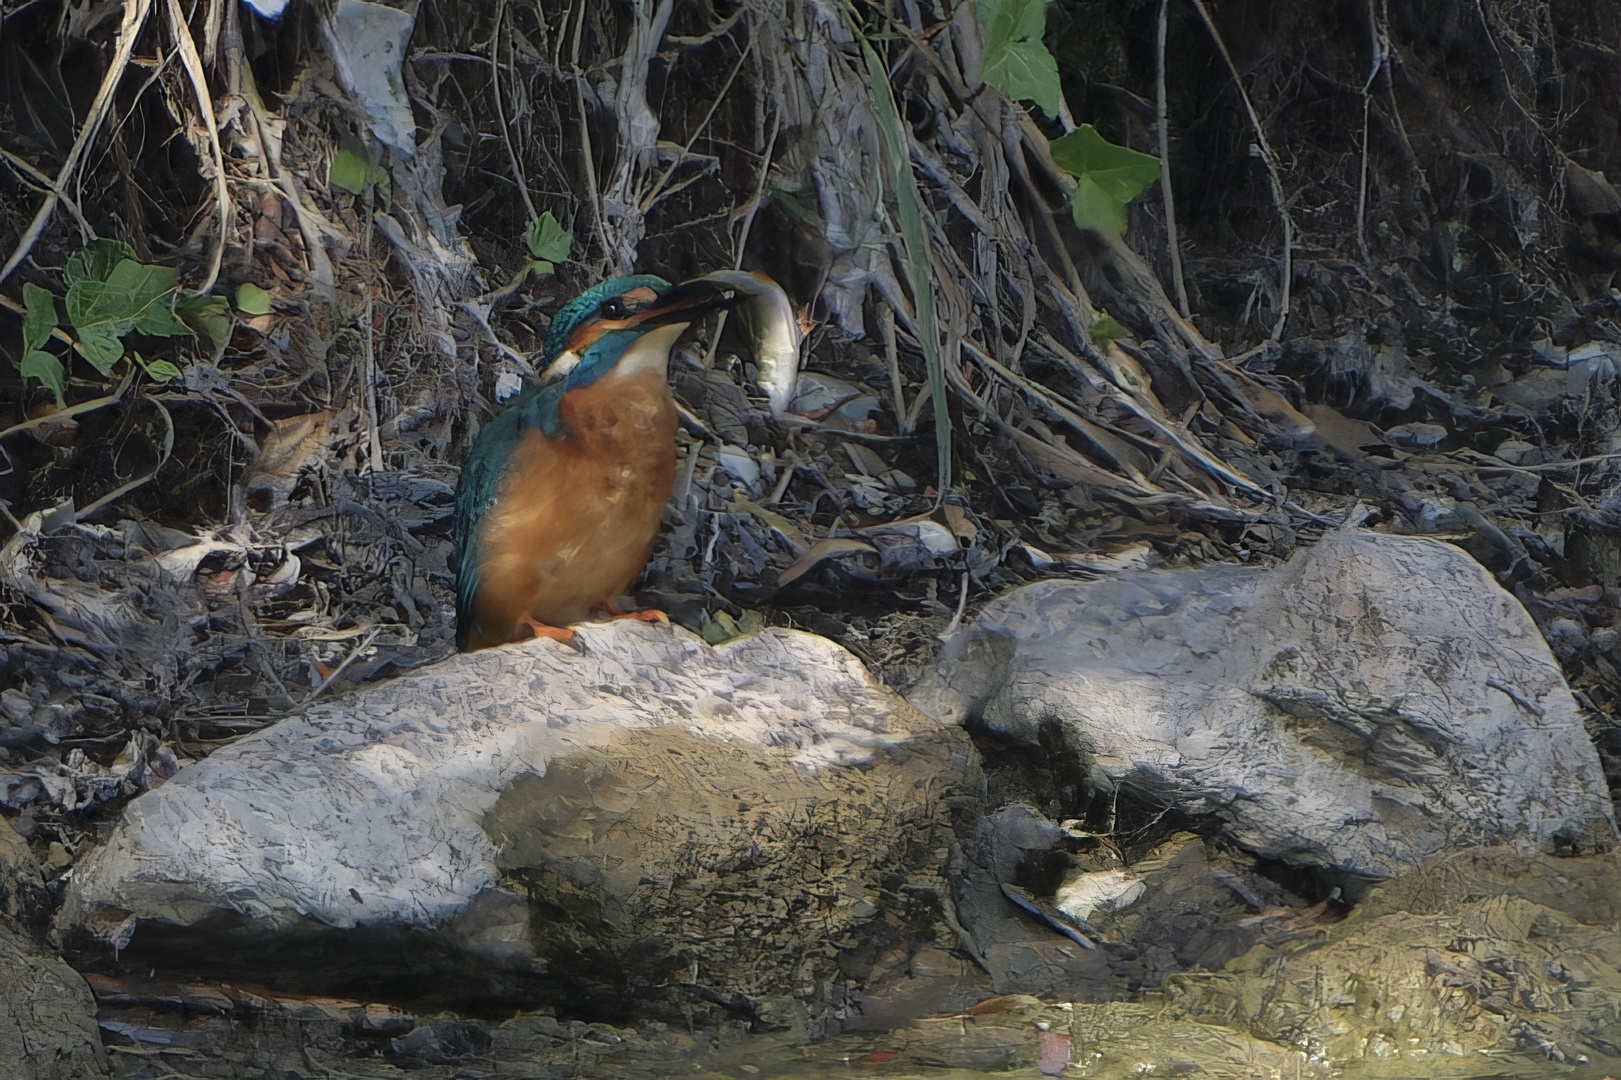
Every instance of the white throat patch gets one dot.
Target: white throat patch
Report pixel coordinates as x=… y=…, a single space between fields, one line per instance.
x=650 y=352
x=564 y=364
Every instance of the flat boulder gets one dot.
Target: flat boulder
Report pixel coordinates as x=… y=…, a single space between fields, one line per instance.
x=637 y=816
x=1368 y=704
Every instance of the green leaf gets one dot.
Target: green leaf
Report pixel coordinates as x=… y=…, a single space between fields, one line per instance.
x=1107 y=177
x=1012 y=20
x=252 y=300
x=96 y=260
x=1093 y=208
x=354 y=172
x=1024 y=71
x=93 y=307
x=1014 y=60
x=133 y=293
x=208 y=316
x=41 y=317
x=548 y=241
x=159 y=370
x=159 y=320
x=542 y=267
x=143 y=282
x=37 y=364
x=101 y=347
x=795 y=206
x=349 y=171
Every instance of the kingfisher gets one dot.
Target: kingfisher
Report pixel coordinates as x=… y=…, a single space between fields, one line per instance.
x=560 y=499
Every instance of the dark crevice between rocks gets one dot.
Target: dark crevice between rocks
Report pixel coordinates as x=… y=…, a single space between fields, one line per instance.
x=400 y=967
x=1062 y=784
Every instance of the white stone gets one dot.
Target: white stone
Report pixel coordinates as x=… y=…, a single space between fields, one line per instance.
x=677 y=763
x=1372 y=702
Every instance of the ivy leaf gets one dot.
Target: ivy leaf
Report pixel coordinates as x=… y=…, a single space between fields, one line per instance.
x=143 y=282
x=348 y=171
x=101 y=347
x=548 y=241
x=159 y=320
x=542 y=267
x=96 y=260
x=41 y=365
x=130 y=292
x=159 y=370
x=1014 y=60
x=41 y=317
x=252 y=300
x=209 y=317
x=1107 y=177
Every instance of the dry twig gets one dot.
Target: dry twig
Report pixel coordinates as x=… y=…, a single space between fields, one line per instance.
x=135 y=14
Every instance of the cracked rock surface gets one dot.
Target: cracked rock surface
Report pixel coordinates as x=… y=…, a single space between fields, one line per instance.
x=609 y=821
x=1370 y=703
x=47 y=1016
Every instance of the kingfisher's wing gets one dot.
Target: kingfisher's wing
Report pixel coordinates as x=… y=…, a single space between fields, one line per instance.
x=480 y=485
x=476 y=491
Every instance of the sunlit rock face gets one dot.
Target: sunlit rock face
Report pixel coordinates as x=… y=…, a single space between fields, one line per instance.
x=598 y=823
x=1375 y=700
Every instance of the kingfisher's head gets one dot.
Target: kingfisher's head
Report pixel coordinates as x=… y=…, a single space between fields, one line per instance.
x=623 y=324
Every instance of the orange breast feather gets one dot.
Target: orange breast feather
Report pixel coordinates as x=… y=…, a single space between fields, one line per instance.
x=576 y=517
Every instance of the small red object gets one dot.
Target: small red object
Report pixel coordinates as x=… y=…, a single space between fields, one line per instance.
x=1053 y=1056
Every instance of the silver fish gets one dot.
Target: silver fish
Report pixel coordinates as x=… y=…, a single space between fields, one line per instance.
x=770 y=321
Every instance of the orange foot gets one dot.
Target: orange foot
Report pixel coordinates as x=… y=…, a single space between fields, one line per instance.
x=556 y=633
x=650 y=615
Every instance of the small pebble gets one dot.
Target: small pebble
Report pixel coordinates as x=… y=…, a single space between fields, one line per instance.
x=508 y=385
x=1417 y=435
x=15 y=706
x=1516 y=452
x=1566 y=638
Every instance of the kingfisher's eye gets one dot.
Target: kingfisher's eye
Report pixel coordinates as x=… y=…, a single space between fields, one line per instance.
x=613 y=309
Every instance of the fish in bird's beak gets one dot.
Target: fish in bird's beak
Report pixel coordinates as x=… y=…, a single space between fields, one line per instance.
x=771 y=323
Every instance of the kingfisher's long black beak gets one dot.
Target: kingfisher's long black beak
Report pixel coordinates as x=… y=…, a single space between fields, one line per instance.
x=685 y=302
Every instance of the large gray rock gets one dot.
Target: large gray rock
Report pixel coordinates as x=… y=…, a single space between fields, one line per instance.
x=641 y=812
x=1372 y=702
